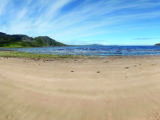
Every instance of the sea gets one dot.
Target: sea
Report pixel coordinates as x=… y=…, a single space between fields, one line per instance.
x=94 y=50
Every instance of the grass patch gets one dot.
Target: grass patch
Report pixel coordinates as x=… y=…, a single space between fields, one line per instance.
x=13 y=46
x=35 y=56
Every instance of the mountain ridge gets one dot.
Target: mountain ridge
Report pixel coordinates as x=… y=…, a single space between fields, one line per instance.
x=20 y=40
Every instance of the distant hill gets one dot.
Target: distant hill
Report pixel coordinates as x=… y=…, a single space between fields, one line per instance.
x=158 y=44
x=26 y=41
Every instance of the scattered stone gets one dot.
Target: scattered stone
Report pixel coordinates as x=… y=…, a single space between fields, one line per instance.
x=72 y=71
x=126 y=67
x=98 y=71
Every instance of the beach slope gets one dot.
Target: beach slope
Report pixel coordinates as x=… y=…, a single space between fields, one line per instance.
x=112 y=88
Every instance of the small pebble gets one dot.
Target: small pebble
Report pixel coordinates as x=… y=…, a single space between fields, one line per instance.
x=98 y=71
x=126 y=67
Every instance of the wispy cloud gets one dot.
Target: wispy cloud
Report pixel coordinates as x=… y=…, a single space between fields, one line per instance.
x=145 y=38
x=74 y=20
x=3 y=6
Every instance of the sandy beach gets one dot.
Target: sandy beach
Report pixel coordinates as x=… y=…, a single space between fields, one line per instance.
x=111 y=88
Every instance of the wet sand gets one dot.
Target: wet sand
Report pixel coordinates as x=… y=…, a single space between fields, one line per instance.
x=112 y=88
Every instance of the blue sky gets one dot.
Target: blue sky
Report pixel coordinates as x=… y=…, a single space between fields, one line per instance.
x=109 y=22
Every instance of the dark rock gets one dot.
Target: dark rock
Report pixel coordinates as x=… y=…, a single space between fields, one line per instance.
x=126 y=67
x=98 y=72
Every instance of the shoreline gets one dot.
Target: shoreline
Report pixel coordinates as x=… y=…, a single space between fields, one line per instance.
x=16 y=54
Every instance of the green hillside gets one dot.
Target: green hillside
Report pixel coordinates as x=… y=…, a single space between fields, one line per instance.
x=26 y=41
